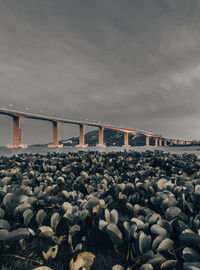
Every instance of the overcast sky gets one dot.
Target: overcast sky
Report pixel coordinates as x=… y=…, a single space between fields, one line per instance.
x=129 y=62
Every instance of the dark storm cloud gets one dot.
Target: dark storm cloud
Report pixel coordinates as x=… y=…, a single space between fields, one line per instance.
x=130 y=62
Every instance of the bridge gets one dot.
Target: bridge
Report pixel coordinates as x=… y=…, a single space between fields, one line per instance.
x=17 y=126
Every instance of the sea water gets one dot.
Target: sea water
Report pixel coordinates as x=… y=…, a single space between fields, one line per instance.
x=44 y=150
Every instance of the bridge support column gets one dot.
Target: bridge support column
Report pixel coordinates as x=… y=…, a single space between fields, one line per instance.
x=126 y=140
x=101 y=143
x=165 y=142
x=82 y=137
x=156 y=141
x=147 y=140
x=160 y=141
x=55 y=143
x=171 y=142
x=16 y=143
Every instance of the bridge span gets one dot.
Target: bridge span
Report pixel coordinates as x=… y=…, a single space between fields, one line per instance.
x=17 y=126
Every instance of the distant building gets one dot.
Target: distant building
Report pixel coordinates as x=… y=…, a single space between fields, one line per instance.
x=68 y=141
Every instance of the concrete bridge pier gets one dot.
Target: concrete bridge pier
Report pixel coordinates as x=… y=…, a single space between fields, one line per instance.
x=82 y=137
x=16 y=140
x=147 y=141
x=126 y=144
x=160 y=141
x=156 y=141
x=55 y=143
x=101 y=143
x=171 y=142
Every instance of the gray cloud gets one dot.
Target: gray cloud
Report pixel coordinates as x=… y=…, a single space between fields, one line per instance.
x=127 y=62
